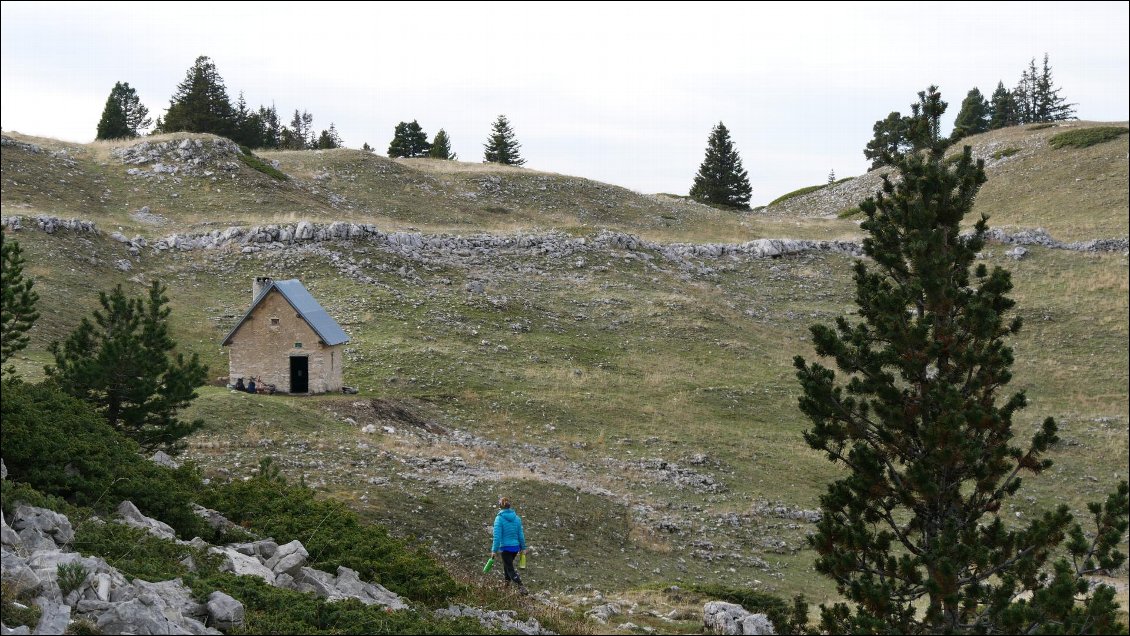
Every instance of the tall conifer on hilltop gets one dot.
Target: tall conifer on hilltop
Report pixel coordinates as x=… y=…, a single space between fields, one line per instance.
x=441 y=147
x=721 y=179
x=502 y=146
x=910 y=535
x=1004 y=111
x=1037 y=98
x=408 y=140
x=124 y=115
x=973 y=118
x=200 y=103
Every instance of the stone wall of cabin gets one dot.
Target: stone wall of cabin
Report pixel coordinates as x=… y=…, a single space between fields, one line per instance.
x=263 y=349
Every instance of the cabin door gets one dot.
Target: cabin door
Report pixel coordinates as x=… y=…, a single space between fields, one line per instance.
x=299 y=374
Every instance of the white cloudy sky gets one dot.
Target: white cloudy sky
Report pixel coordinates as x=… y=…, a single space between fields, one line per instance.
x=622 y=93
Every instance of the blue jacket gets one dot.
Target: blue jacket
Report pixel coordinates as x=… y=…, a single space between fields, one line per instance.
x=508 y=531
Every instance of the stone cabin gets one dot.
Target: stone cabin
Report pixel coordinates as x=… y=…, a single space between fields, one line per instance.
x=286 y=339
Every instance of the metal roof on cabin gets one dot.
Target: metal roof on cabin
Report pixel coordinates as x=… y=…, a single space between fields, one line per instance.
x=308 y=309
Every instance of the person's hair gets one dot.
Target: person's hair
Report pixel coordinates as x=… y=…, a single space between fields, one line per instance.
x=504 y=502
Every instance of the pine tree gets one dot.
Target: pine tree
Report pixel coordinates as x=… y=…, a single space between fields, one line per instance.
x=897 y=135
x=300 y=134
x=831 y=176
x=122 y=363
x=721 y=180
x=1037 y=98
x=502 y=146
x=17 y=302
x=1049 y=106
x=441 y=147
x=124 y=115
x=200 y=103
x=329 y=139
x=366 y=147
x=113 y=124
x=890 y=139
x=408 y=140
x=1004 y=111
x=271 y=133
x=909 y=535
x=973 y=118
x=250 y=129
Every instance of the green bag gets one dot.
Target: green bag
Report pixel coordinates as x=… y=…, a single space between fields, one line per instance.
x=489 y=565
x=522 y=561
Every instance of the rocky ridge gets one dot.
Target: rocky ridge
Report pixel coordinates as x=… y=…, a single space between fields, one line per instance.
x=446 y=248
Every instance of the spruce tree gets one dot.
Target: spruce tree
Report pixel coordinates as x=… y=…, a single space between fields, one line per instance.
x=408 y=140
x=249 y=128
x=1004 y=111
x=1049 y=106
x=124 y=115
x=300 y=134
x=329 y=139
x=200 y=103
x=910 y=534
x=122 y=362
x=973 y=118
x=441 y=147
x=271 y=133
x=502 y=146
x=721 y=180
x=112 y=125
x=17 y=302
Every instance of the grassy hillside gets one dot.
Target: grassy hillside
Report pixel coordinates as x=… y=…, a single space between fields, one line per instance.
x=1074 y=193
x=44 y=176
x=642 y=412
x=643 y=416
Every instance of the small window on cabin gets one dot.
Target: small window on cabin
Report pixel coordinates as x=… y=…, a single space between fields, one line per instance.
x=274 y=322
x=298 y=345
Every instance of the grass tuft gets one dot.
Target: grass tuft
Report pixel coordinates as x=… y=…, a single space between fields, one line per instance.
x=251 y=161
x=1087 y=137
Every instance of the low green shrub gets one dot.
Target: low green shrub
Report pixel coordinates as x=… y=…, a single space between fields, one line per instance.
x=847 y=213
x=796 y=193
x=1005 y=152
x=136 y=553
x=71 y=576
x=15 y=612
x=334 y=536
x=1040 y=126
x=82 y=627
x=1087 y=137
x=786 y=618
x=14 y=493
x=272 y=610
x=61 y=447
x=250 y=160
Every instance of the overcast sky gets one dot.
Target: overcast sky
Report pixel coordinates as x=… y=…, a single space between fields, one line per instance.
x=621 y=93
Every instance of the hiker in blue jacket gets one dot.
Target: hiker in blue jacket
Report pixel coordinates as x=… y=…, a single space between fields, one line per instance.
x=509 y=541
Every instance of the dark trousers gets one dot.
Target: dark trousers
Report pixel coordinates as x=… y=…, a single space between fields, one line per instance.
x=508 y=567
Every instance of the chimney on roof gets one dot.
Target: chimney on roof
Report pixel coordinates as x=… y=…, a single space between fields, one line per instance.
x=261 y=283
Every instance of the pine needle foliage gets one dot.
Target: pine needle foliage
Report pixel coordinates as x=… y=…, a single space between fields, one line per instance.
x=122 y=362
x=911 y=535
x=502 y=146
x=17 y=301
x=721 y=179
